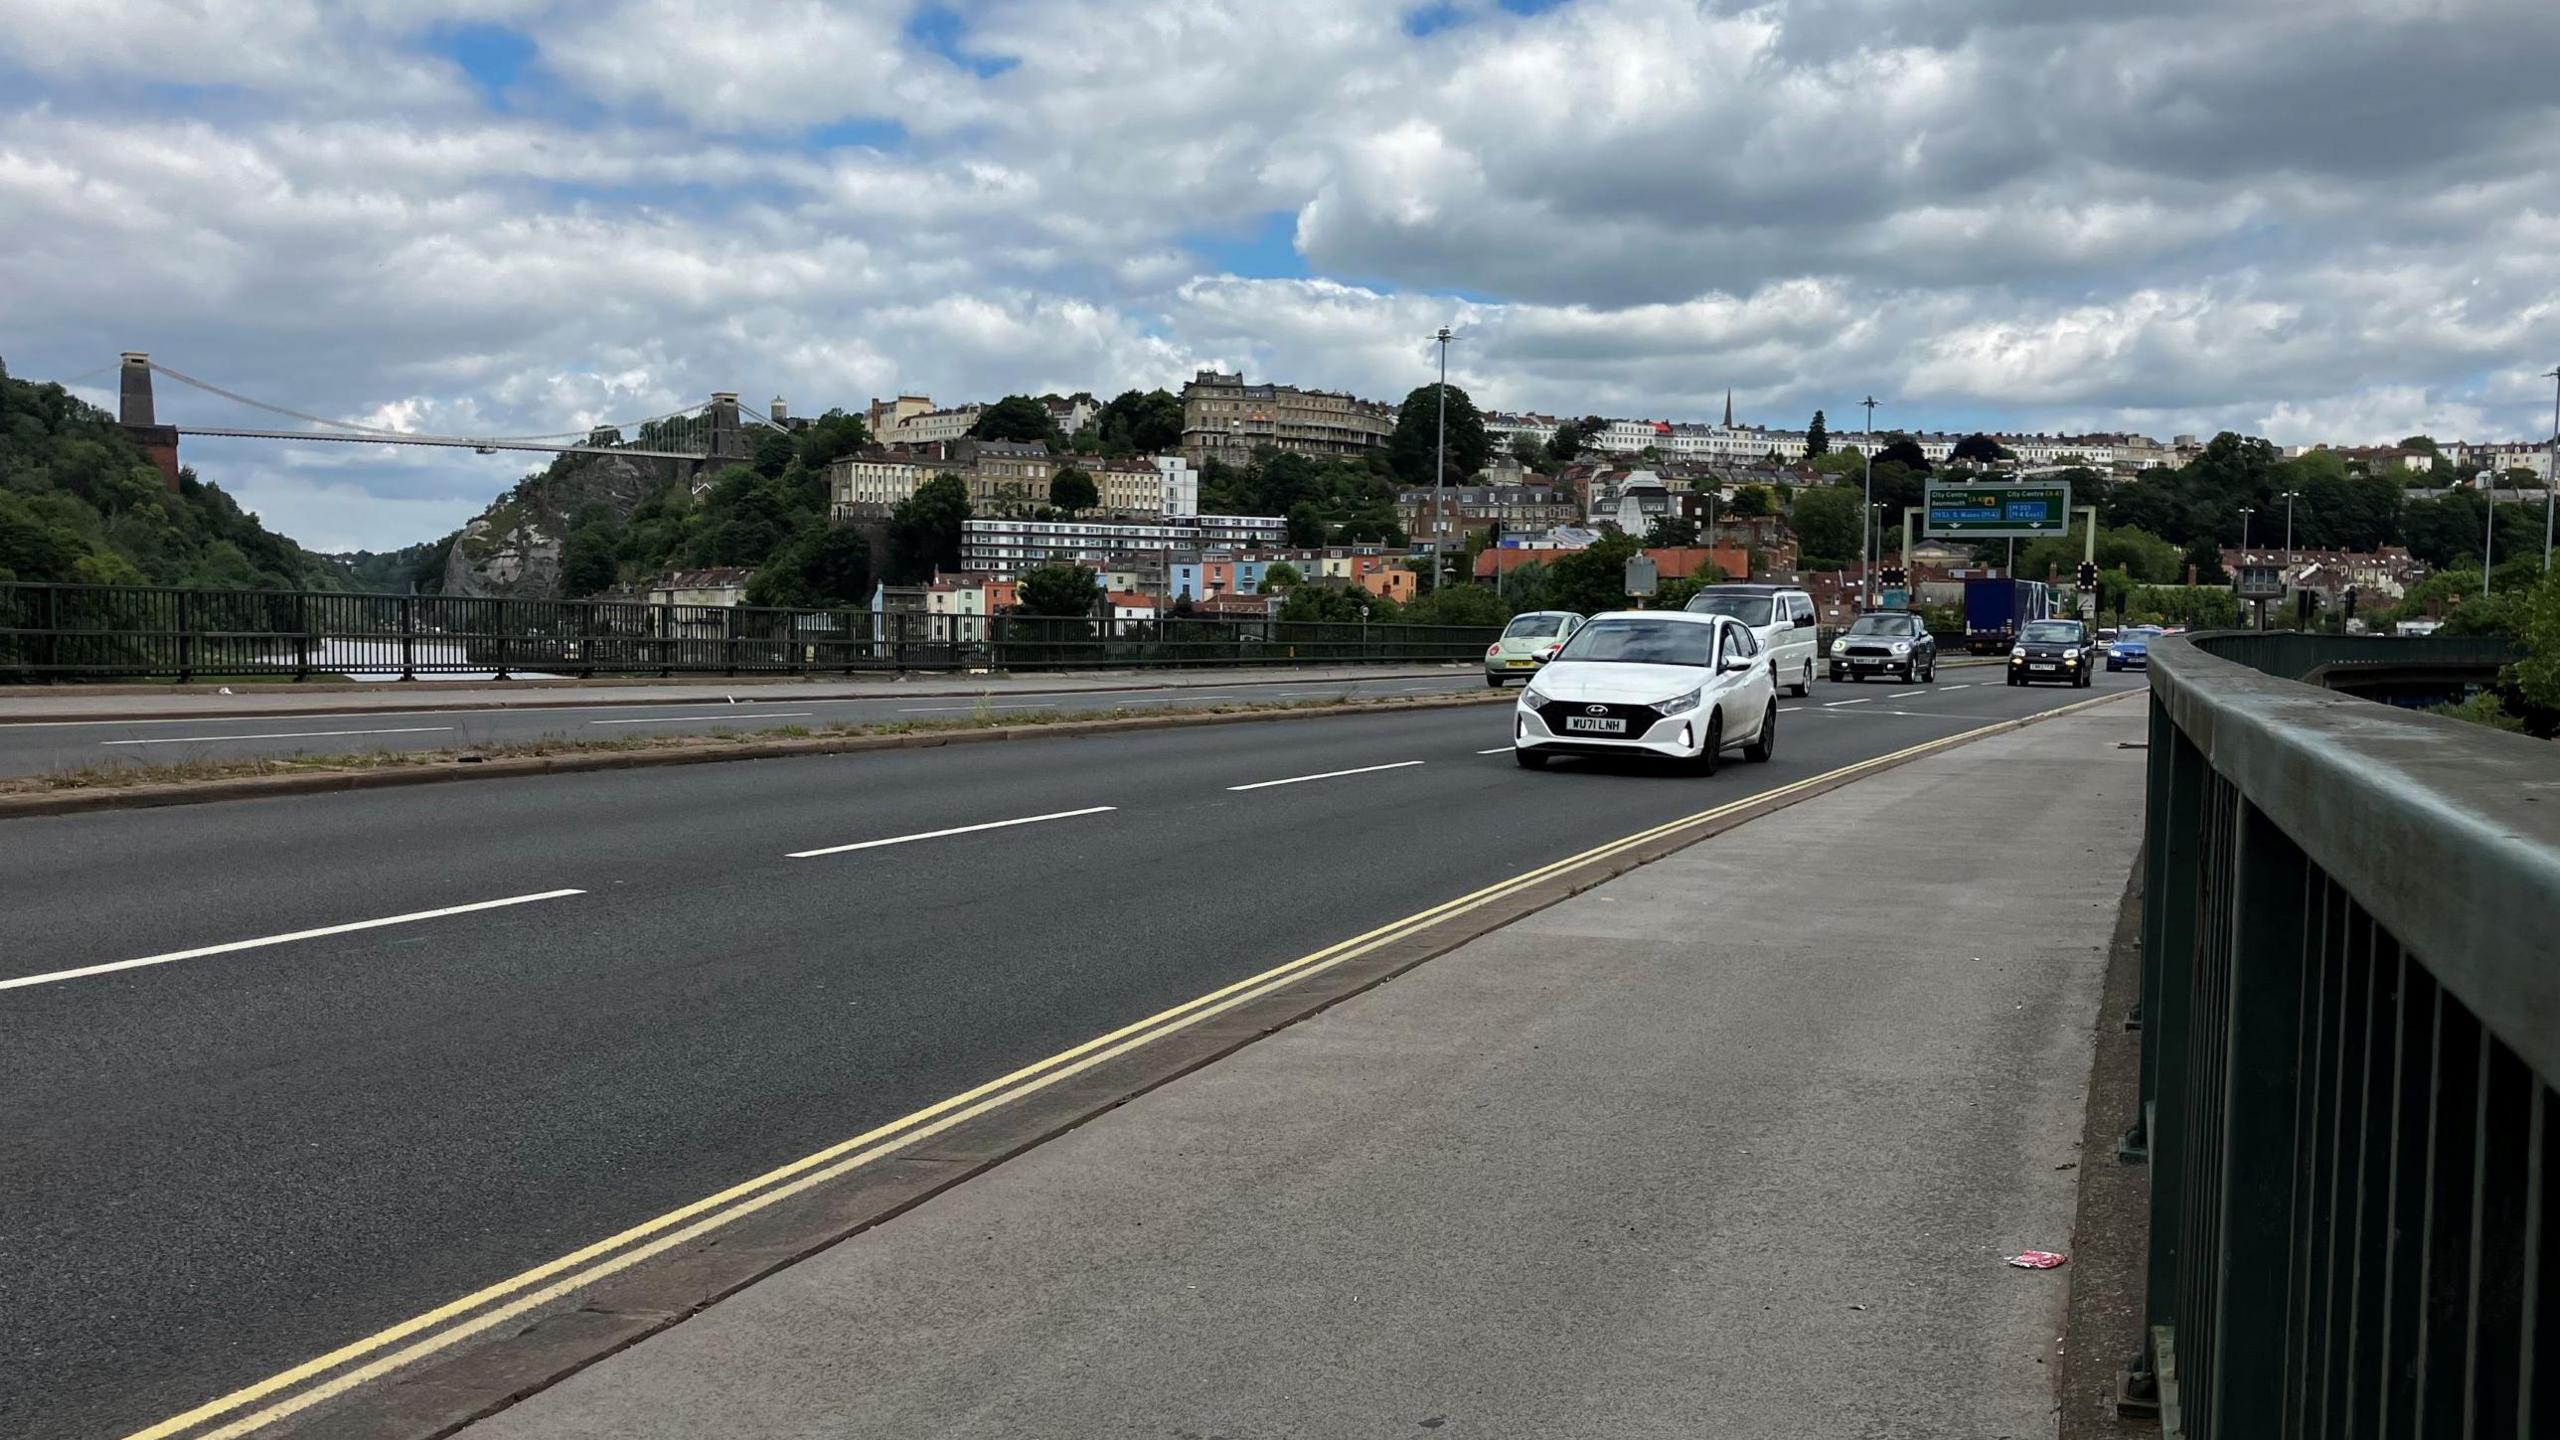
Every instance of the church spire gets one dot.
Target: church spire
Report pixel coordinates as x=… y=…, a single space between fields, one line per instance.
x=1728 y=408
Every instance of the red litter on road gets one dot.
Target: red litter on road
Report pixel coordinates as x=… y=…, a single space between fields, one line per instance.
x=2037 y=1260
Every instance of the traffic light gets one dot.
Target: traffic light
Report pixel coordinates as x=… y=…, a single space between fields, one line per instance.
x=2088 y=574
x=1893 y=577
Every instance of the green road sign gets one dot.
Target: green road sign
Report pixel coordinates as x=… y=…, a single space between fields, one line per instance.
x=1989 y=511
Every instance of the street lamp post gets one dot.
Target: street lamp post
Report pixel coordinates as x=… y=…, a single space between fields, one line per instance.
x=2489 y=532
x=1440 y=472
x=1866 y=558
x=2289 y=497
x=2245 y=513
x=2551 y=469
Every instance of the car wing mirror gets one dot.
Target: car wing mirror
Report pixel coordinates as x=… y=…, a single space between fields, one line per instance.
x=1735 y=665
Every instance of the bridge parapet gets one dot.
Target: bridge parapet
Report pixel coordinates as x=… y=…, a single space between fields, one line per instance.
x=2351 y=1010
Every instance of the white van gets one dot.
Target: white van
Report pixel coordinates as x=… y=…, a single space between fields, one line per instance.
x=1781 y=619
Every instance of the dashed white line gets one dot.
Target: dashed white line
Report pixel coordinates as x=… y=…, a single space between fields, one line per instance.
x=278 y=735
x=954 y=830
x=739 y=714
x=1327 y=775
x=202 y=951
x=1836 y=704
x=1498 y=750
x=1905 y=694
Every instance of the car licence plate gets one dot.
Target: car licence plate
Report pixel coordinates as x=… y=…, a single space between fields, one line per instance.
x=2042 y=665
x=1595 y=725
x=1522 y=663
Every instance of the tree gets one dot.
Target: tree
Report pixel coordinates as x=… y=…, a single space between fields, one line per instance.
x=1817 y=438
x=925 y=529
x=1530 y=451
x=830 y=438
x=1826 y=525
x=1341 y=604
x=587 y=561
x=774 y=452
x=2537 y=675
x=1019 y=418
x=2420 y=442
x=1072 y=490
x=1139 y=423
x=1413 y=448
x=2205 y=557
x=1281 y=576
x=1456 y=605
x=1671 y=530
x=836 y=566
x=1306 y=526
x=1593 y=579
x=1565 y=444
x=1979 y=449
x=1058 y=588
x=1753 y=500
x=1905 y=452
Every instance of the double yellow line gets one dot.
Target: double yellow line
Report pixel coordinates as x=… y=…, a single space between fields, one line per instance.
x=458 y=1320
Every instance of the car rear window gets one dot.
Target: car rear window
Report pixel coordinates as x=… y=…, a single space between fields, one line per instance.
x=1749 y=609
x=1529 y=626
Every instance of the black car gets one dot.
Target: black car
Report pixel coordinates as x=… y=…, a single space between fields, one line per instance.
x=2056 y=650
x=1885 y=642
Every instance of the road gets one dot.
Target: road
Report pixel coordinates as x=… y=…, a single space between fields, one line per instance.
x=42 y=747
x=220 y=1165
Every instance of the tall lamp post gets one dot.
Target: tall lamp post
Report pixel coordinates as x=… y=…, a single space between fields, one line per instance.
x=1440 y=472
x=2489 y=535
x=2551 y=469
x=2288 y=498
x=1866 y=558
x=2245 y=513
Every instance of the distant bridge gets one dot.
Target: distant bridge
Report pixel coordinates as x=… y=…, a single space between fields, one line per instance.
x=714 y=431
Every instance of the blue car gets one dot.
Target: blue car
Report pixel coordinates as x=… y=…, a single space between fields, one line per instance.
x=2132 y=650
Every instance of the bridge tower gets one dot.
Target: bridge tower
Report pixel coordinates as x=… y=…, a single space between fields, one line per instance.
x=728 y=441
x=134 y=411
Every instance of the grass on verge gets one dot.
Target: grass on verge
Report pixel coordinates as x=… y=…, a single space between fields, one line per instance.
x=982 y=717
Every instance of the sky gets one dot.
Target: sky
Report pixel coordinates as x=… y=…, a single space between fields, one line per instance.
x=2306 y=219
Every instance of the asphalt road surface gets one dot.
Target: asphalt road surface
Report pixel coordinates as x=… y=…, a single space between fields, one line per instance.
x=262 y=1143
x=48 y=747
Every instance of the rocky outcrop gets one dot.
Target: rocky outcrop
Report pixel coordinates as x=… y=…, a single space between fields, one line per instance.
x=513 y=549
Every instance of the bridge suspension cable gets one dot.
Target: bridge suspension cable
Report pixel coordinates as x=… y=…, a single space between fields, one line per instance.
x=415 y=437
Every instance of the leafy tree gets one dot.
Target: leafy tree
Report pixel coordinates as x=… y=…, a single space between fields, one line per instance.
x=1072 y=489
x=587 y=560
x=1592 y=579
x=1280 y=575
x=824 y=565
x=1979 y=449
x=830 y=438
x=1565 y=444
x=1817 y=438
x=2538 y=630
x=1826 y=525
x=1283 y=481
x=1058 y=589
x=1753 y=500
x=1019 y=418
x=1456 y=605
x=1412 y=449
x=1530 y=451
x=1139 y=423
x=1306 y=526
x=774 y=452
x=2205 y=557
x=1905 y=452
x=2420 y=442
x=1342 y=604
x=1671 y=530
x=925 y=529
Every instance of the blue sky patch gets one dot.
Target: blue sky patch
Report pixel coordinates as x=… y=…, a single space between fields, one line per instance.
x=1264 y=248
x=871 y=134
x=940 y=29
x=492 y=55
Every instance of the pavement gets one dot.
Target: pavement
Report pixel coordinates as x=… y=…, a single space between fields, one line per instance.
x=50 y=733
x=280 y=1073
x=1704 y=1151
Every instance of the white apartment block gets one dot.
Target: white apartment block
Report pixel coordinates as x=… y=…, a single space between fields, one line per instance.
x=926 y=427
x=857 y=484
x=1009 y=547
x=1179 y=487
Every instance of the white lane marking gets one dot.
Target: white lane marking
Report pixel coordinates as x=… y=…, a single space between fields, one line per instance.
x=1498 y=750
x=201 y=952
x=1176 y=699
x=1905 y=694
x=954 y=830
x=1789 y=709
x=715 y=715
x=278 y=735
x=1836 y=704
x=1327 y=775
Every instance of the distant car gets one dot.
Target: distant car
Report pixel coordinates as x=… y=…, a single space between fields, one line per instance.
x=2106 y=641
x=1651 y=682
x=1882 y=643
x=2132 y=650
x=2052 y=650
x=1781 y=619
x=1529 y=641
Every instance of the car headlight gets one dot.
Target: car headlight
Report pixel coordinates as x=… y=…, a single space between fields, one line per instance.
x=1901 y=647
x=2071 y=654
x=1680 y=704
x=1839 y=647
x=2017 y=652
x=1529 y=694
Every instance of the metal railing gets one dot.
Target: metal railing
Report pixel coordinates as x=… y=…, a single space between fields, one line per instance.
x=2351 y=1031
x=108 y=632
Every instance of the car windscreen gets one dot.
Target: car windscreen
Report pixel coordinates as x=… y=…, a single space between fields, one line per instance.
x=1529 y=627
x=2052 y=632
x=1882 y=625
x=1749 y=609
x=1640 y=641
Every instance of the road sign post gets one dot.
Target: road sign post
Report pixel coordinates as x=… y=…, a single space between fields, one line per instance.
x=1643 y=578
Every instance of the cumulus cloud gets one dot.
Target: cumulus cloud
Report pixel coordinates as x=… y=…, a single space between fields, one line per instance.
x=2305 y=218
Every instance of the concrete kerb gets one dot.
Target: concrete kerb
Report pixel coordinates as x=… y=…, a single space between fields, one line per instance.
x=932 y=685
x=702 y=752
x=442 y=1398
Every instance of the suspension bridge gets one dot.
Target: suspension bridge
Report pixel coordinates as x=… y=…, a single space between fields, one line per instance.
x=716 y=430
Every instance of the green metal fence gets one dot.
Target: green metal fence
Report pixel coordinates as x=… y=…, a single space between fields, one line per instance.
x=110 y=632
x=2351 y=1010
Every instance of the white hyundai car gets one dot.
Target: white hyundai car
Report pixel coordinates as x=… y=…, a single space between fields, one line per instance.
x=1651 y=682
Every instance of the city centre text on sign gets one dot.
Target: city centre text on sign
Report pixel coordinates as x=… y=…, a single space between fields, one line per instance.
x=1990 y=511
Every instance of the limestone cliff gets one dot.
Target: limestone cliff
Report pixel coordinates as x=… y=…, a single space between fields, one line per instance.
x=513 y=548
